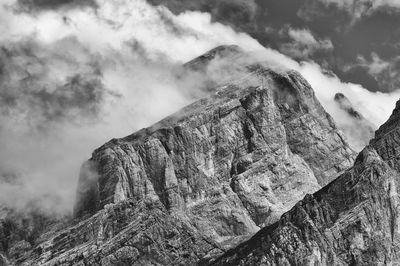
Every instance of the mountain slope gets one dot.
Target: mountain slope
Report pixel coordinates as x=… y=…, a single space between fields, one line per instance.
x=198 y=182
x=352 y=221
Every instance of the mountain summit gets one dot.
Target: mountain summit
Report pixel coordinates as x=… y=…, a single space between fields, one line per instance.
x=352 y=221
x=202 y=180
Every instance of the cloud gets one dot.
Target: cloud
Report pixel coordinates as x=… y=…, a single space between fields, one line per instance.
x=237 y=10
x=376 y=65
x=237 y=13
x=374 y=106
x=352 y=27
x=359 y=8
x=71 y=79
x=45 y=83
x=303 y=44
x=39 y=5
x=383 y=72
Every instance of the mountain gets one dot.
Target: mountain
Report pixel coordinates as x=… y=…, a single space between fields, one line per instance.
x=202 y=180
x=202 y=62
x=352 y=221
x=358 y=130
x=22 y=225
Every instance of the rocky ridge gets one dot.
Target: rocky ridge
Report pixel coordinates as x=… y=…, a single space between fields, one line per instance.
x=202 y=180
x=352 y=221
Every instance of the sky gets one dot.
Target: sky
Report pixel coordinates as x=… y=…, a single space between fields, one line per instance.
x=75 y=74
x=356 y=39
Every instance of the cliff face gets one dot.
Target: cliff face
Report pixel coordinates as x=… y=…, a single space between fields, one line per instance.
x=352 y=221
x=202 y=180
x=261 y=148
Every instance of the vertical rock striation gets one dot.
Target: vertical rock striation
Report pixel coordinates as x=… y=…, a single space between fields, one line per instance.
x=352 y=221
x=202 y=180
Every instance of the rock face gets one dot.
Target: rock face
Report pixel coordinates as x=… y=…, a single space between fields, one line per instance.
x=202 y=180
x=358 y=130
x=20 y=227
x=352 y=221
x=255 y=151
x=18 y=232
x=224 y=51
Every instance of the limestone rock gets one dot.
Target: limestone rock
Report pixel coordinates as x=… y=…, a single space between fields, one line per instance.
x=251 y=149
x=224 y=51
x=352 y=221
x=197 y=183
x=18 y=232
x=127 y=233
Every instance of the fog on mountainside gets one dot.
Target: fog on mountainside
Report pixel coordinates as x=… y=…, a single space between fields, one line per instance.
x=210 y=132
x=75 y=74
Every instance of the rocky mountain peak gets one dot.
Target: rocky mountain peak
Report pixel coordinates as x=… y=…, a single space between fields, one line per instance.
x=200 y=181
x=278 y=115
x=352 y=221
x=358 y=130
x=386 y=139
x=223 y=51
x=346 y=105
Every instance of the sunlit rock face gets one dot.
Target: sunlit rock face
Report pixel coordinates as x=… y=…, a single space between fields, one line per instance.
x=260 y=148
x=199 y=182
x=352 y=221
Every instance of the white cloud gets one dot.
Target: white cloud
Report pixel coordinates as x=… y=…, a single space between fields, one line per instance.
x=303 y=43
x=376 y=65
x=137 y=49
x=375 y=106
x=302 y=36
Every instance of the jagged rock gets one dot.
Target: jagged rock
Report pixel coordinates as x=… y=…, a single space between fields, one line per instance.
x=352 y=221
x=19 y=230
x=386 y=141
x=358 y=130
x=3 y=260
x=236 y=144
x=127 y=233
x=224 y=51
x=200 y=181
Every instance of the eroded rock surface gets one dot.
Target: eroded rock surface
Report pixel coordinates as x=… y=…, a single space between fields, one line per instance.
x=202 y=180
x=255 y=151
x=18 y=232
x=352 y=221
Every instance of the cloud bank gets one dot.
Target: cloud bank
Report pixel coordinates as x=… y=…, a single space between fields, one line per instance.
x=73 y=78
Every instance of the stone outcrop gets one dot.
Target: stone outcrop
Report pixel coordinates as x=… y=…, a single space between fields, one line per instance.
x=352 y=221
x=202 y=62
x=19 y=230
x=127 y=233
x=202 y=180
x=358 y=130
x=255 y=151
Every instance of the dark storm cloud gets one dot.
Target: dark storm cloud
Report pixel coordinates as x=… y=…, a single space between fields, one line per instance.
x=37 y=5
